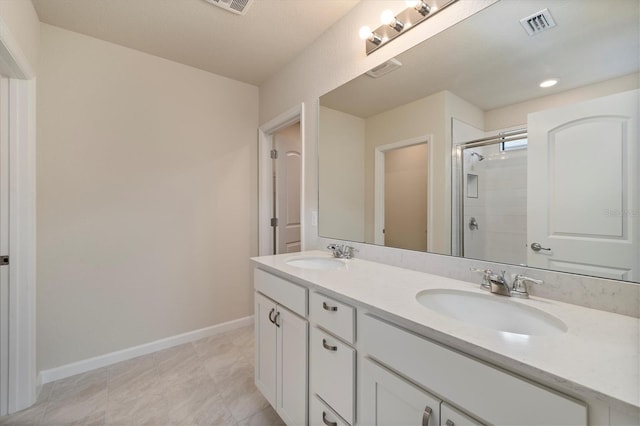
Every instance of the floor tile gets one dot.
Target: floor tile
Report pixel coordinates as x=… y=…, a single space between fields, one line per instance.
x=78 y=410
x=207 y=382
x=266 y=417
x=143 y=410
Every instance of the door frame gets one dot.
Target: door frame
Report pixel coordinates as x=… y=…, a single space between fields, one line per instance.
x=20 y=136
x=378 y=191
x=265 y=176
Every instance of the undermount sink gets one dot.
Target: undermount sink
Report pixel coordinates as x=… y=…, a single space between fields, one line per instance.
x=318 y=263
x=491 y=311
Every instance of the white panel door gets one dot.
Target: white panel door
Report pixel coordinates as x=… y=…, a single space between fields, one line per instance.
x=266 y=349
x=583 y=189
x=292 y=367
x=387 y=399
x=288 y=186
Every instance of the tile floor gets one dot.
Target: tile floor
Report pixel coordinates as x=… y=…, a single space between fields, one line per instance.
x=207 y=382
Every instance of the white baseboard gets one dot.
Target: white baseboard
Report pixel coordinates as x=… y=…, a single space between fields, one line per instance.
x=52 y=374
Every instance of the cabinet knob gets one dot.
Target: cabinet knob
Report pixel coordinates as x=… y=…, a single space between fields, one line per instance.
x=329 y=308
x=327 y=422
x=426 y=416
x=328 y=346
x=270 y=315
x=450 y=423
x=275 y=319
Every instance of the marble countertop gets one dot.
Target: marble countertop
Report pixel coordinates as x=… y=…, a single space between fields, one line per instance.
x=598 y=358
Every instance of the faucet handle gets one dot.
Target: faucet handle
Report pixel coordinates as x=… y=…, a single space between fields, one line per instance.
x=520 y=285
x=486 y=283
x=348 y=251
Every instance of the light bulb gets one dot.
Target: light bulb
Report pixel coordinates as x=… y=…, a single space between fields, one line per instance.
x=413 y=3
x=365 y=32
x=549 y=83
x=387 y=17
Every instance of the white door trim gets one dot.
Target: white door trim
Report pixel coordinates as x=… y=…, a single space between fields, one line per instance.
x=378 y=196
x=20 y=132
x=265 y=173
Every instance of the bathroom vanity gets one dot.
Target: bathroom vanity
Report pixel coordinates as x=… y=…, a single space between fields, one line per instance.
x=353 y=342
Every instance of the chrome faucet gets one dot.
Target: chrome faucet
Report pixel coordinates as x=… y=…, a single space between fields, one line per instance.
x=499 y=285
x=342 y=251
x=493 y=282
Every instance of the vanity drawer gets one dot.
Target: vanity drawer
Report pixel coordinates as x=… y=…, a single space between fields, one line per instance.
x=333 y=316
x=333 y=372
x=321 y=415
x=450 y=415
x=491 y=394
x=282 y=291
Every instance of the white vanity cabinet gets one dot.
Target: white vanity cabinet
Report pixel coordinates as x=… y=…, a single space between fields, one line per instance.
x=332 y=359
x=281 y=336
x=320 y=414
x=452 y=417
x=489 y=394
x=390 y=400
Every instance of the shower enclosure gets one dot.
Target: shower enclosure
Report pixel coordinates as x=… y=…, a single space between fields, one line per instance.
x=490 y=193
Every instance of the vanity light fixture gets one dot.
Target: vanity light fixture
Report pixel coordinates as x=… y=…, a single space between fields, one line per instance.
x=367 y=34
x=387 y=18
x=419 y=5
x=396 y=25
x=549 y=83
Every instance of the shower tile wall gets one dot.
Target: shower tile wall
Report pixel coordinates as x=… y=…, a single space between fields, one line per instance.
x=500 y=208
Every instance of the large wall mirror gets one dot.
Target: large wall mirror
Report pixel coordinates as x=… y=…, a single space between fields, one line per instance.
x=453 y=147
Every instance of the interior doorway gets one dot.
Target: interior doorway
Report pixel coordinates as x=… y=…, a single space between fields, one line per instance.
x=17 y=228
x=4 y=246
x=402 y=179
x=281 y=183
x=287 y=178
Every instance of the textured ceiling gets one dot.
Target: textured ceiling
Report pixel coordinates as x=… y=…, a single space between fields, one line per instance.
x=248 y=48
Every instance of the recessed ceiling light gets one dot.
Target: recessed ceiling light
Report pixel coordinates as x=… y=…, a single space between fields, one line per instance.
x=549 y=83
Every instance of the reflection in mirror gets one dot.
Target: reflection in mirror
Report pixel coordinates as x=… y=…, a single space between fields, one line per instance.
x=495 y=166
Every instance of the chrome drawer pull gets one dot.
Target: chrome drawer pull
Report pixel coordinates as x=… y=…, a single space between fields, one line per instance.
x=329 y=308
x=450 y=423
x=327 y=422
x=271 y=313
x=426 y=416
x=328 y=347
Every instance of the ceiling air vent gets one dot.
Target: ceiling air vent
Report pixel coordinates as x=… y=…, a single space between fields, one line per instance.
x=385 y=68
x=538 y=22
x=239 y=7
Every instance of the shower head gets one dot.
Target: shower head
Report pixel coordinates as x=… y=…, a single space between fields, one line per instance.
x=480 y=157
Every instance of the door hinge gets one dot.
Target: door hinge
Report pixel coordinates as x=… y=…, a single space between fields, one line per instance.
x=274 y=221
x=4 y=260
x=274 y=154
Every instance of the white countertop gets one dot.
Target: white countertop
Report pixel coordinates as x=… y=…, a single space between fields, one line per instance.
x=598 y=358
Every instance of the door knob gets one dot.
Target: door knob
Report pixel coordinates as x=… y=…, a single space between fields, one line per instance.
x=538 y=247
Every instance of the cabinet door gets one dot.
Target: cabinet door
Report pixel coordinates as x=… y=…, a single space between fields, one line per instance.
x=266 y=337
x=292 y=367
x=388 y=399
x=452 y=417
